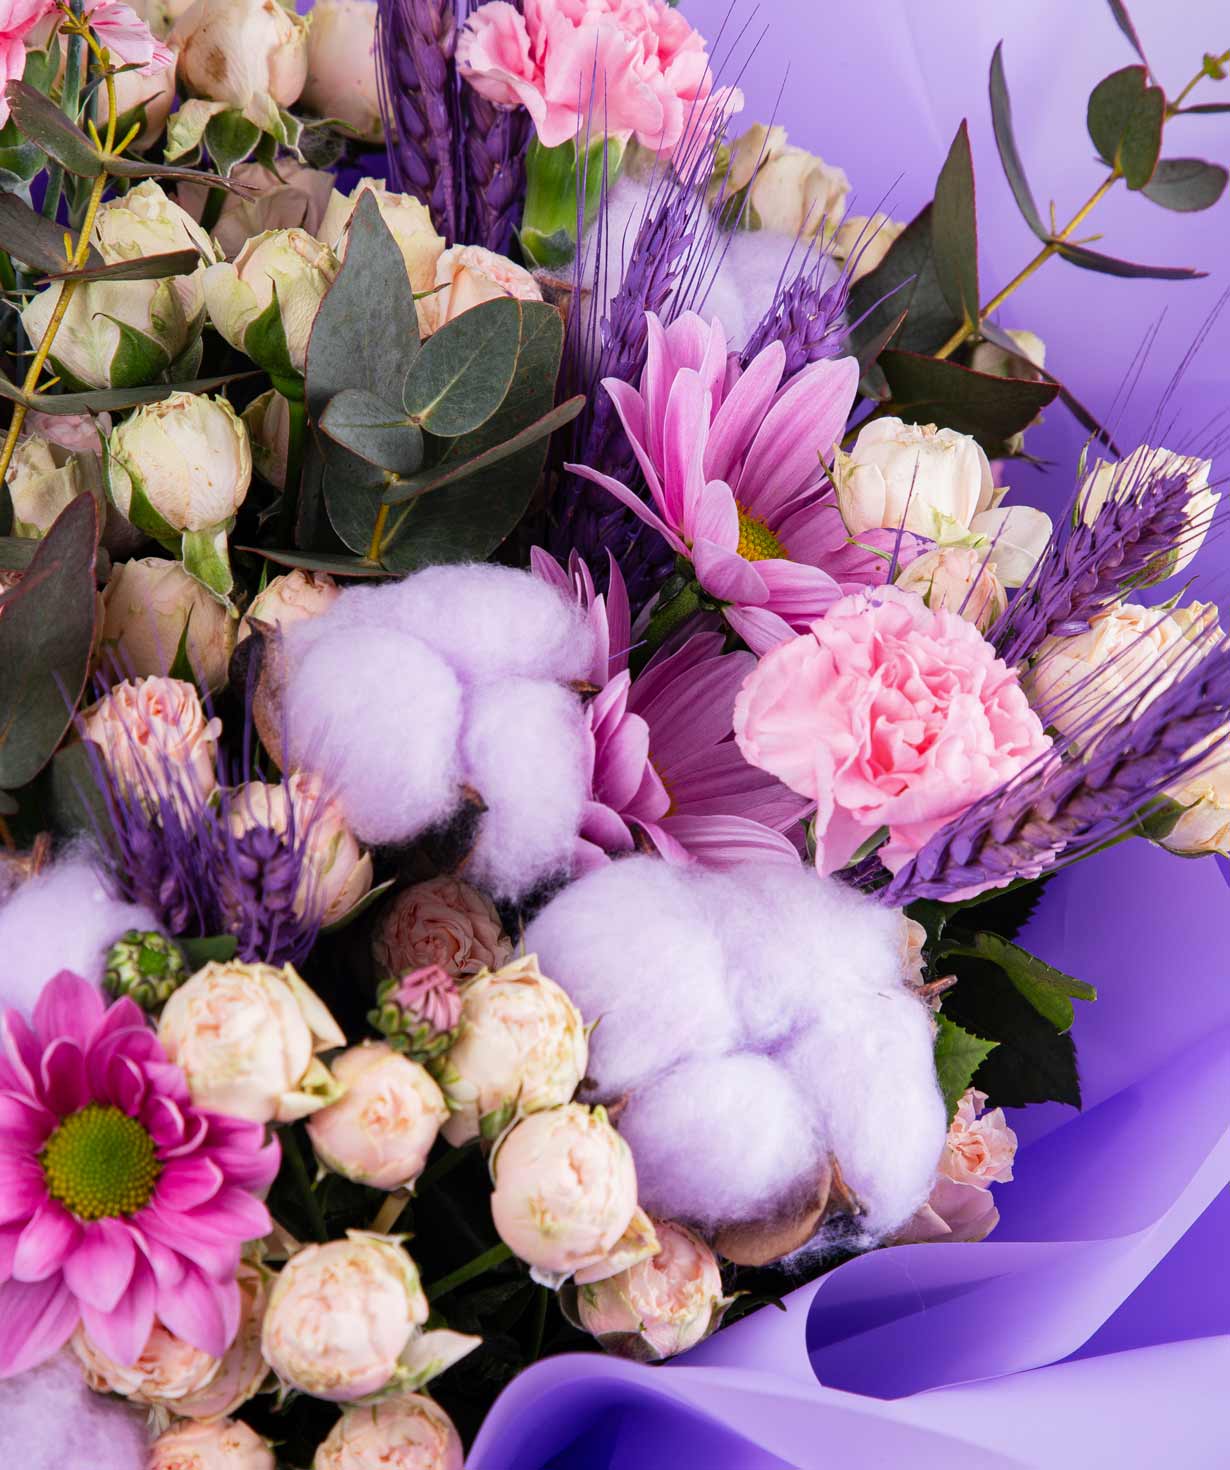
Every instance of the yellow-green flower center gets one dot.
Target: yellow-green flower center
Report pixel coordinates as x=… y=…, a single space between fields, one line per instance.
x=756 y=541
x=100 y=1163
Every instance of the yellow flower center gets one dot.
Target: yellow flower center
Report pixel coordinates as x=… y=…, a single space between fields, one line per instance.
x=100 y=1163
x=756 y=541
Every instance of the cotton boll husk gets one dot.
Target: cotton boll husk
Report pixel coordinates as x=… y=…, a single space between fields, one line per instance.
x=52 y=1421
x=492 y=622
x=523 y=751
x=379 y=715
x=670 y=969
x=64 y=919
x=717 y=1138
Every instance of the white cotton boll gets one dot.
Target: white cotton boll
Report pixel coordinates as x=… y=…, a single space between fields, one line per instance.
x=379 y=715
x=523 y=751
x=493 y=622
x=752 y=268
x=670 y=969
x=64 y=919
x=52 y=1421
x=621 y=219
x=716 y=1138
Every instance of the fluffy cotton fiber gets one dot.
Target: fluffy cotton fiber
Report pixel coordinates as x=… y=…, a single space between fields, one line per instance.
x=405 y=694
x=65 y=919
x=49 y=1420
x=755 y=1020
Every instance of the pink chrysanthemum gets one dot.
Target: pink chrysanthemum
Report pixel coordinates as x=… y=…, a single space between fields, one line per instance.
x=733 y=461
x=665 y=770
x=119 y=1201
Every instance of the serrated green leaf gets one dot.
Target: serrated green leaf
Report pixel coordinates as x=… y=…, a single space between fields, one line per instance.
x=463 y=372
x=200 y=952
x=1047 y=989
x=1005 y=142
x=1186 y=184
x=367 y=426
x=954 y=230
x=928 y=390
x=1125 y=118
x=958 y=1055
x=46 y=636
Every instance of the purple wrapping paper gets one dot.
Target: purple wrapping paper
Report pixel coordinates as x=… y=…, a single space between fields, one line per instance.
x=1108 y=1264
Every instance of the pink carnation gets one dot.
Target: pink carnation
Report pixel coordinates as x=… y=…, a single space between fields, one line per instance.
x=17 y=19
x=635 y=66
x=127 y=38
x=887 y=715
x=978 y=1152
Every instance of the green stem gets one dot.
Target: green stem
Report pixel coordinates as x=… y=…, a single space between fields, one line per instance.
x=671 y=614
x=298 y=1167
x=214 y=201
x=496 y=1256
x=540 y=1322
x=443 y=1166
x=295 y=446
x=70 y=104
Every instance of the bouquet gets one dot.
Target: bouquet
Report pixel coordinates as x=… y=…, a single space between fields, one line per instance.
x=531 y=720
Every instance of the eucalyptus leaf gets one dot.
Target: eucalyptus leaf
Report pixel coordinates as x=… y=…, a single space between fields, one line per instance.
x=143 y=168
x=17 y=552
x=1125 y=118
x=1005 y=142
x=28 y=237
x=905 y=280
x=147 y=268
x=1186 y=184
x=954 y=230
x=43 y=124
x=1107 y=265
x=1124 y=21
x=367 y=426
x=449 y=473
x=1075 y=407
x=111 y=400
x=1206 y=107
x=958 y=1055
x=463 y=372
x=929 y=390
x=46 y=637
x=353 y=492
x=318 y=561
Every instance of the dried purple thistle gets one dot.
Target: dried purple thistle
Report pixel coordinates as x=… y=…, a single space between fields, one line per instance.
x=415 y=42
x=1085 y=567
x=419 y=1013
x=1066 y=805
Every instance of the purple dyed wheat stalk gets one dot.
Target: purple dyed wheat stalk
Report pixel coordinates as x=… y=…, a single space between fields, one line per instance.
x=495 y=144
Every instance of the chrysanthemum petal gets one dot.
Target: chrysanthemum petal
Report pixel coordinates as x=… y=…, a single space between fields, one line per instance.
x=724 y=574
x=39 y=1318
x=123 y=1331
x=100 y=1268
x=186 y=1183
x=67 y=1006
x=204 y=1313
x=736 y=422
x=46 y=1242
x=62 y=1074
x=634 y=503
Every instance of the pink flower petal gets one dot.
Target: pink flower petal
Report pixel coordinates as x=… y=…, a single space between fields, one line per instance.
x=67 y=1006
x=39 y=1318
x=186 y=1183
x=724 y=841
x=717 y=516
x=24 y=1123
x=123 y=1332
x=65 y=1088
x=634 y=503
x=736 y=422
x=45 y=1243
x=760 y=629
x=724 y=574
x=204 y=1313
x=22 y=1187
x=99 y=1271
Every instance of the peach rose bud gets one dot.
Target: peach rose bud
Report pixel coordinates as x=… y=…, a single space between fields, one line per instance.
x=978 y=1152
x=565 y=1190
x=660 y=1307
x=220 y=1444
x=408 y=1432
x=172 y=1375
x=441 y=922
x=151 y=606
x=294 y=597
x=468 y=275
x=959 y=579
x=155 y=741
x=381 y=1130
x=341 y=80
x=344 y=1322
x=522 y=1046
x=247 y=1038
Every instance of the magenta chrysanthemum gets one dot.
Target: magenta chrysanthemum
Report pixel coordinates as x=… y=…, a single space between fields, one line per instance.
x=733 y=461
x=119 y=1201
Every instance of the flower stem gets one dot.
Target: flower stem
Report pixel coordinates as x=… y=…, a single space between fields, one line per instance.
x=295 y=444
x=70 y=104
x=304 y=1181
x=382 y=520
x=443 y=1166
x=540 y=1322
x=390 y=1212
x=496 y=1256
x=967 y=329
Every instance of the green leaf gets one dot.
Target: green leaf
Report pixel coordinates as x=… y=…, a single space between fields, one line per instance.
x=1207 y=107
x=230 y=138
x=366 y=425
x=145 y=168
x=73 y=795
x=1047 y=989
x=28 y=237
x=463 y=372
x=111 y=400
x=1186 y=184
x=148 y=268
x=200 y=952
x=469 y=520
x=958 y=1055
x=905 y=280
x=265 y=341
x=1005 y=141
x=927 y=390
x=448 y=473
x=42 y=68
x=1075 y=407
x=139 y=359
x=954 y=230
x=1107 y=265
x=318 y=561
x=17 y=552
x=42 y=123
x=1124 y=21
x=205 y=557
x=46 y=636
x=181 y=665
x=369 y=900
x=186 y=128
x=1125 y=118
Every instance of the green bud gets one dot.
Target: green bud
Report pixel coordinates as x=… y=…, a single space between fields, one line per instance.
x=145 y=966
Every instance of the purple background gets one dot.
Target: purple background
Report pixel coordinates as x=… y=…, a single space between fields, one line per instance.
x=1109 y=1263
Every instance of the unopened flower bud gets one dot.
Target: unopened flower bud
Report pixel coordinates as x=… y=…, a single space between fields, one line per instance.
x=341 y=80
x=409 y=222
x=959 y=579
x=146 y=966
x=408 y=1432
x=291 y=598
x=249 y=54
x=150 y=607
x=218 y=1444
x=419 y=1013
x=44 y=477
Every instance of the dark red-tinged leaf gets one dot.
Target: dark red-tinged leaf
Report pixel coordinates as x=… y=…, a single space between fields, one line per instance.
x=871 y=349
x=929 y=390
x=1074 y=406
x=17 y=552
x=144 y=168
x=1005 y=141
x=954 y=230
x=1124 y=21
x=148 y=268
x=1091 y=260
x=46 y=636
x=1125 y=118
x=41 y=121
x=905 y=280
x=28 y=237
x=1186 y=184
x=111 y=400
x=318 y=561
x=444 y=474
